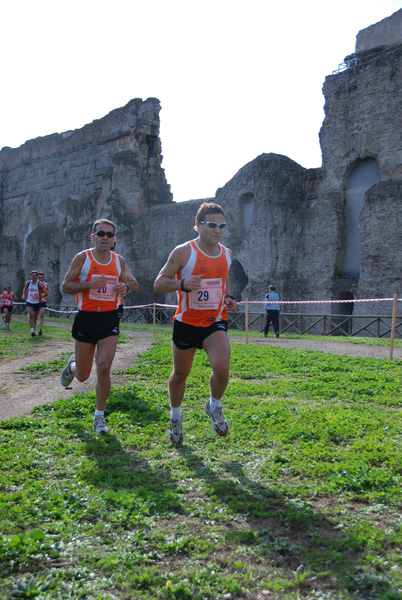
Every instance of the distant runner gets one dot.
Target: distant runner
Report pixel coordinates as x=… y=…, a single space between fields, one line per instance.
x=7 y=299
x=32 y=289
x=42 y=302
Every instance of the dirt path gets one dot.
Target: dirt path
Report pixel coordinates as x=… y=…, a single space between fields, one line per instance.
x=21 y=391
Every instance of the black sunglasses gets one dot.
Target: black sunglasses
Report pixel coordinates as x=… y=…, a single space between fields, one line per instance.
x=213 y=225
x=102 y=233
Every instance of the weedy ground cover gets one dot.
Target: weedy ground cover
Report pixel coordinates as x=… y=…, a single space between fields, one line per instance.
x=18 y=342
x=302 y=499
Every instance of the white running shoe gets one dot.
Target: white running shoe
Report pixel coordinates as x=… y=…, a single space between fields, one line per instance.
x=176 y=434
x=66 y=375
x=100 y=425
x=218 y=422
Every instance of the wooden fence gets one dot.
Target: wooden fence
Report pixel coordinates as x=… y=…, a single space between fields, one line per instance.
x=376 y=326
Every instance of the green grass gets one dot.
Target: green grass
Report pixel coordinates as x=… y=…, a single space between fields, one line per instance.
x=302 y=499
x=18 y=341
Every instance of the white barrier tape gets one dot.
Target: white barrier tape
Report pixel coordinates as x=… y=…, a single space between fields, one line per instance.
x=69 y=310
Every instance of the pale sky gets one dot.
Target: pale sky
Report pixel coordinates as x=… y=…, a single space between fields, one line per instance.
x=235 y=78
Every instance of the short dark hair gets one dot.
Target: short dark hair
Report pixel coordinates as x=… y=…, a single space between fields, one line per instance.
x=271 y=287
x=103 y=222
x=208 y=208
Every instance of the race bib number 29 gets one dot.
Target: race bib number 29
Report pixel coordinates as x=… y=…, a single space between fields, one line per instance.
x=106 y=292
x=208 y=297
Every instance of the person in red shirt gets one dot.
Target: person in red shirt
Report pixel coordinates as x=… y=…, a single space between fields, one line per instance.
x=198 y=271
x=7 y=299
x=97 y=277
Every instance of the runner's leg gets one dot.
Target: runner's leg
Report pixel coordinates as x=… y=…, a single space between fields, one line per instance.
x=182 y=363
x=84 y=357
x=41 y=317
x=31 y=317
x=105 y=352
x=217 y=348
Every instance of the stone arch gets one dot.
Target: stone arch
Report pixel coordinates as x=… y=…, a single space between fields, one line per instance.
x=238 y=279
x=359 y=146
x=362 y=175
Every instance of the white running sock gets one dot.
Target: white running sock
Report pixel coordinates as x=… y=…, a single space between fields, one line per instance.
x=99 y=413
x=175 y=413
x=214 y=403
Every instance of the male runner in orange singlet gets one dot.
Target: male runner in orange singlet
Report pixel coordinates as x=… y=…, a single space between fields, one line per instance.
x=198 y=271
x=98 y=278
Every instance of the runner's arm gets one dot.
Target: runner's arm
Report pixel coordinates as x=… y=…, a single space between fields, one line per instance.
x=230 y=302
x=24 y=291
x=45 y=290
x=166 y=281
x=70 y=284
x=131 y=281
x=121 y=287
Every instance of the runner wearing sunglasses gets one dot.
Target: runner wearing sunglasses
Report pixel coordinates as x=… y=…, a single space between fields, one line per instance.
x=198 y=271
x=97 y=277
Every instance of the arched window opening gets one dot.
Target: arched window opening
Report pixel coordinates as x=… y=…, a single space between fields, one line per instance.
x=363 y=176
x=247 y=200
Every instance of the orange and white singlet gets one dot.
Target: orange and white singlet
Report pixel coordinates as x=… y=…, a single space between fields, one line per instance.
x=205 y=306
x=42 y=294
x=7 y=299
x=100 y=299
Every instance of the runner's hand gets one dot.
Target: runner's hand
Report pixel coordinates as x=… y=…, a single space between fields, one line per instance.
x=121 y=288
x=231 y=304
x=193 y=282
x=97 y=282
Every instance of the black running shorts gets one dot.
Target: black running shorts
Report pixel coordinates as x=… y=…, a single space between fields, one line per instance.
x=90 y=327
x=188 y=336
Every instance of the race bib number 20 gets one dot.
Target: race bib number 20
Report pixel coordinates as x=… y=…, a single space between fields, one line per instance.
x=208 y=297
x=107 y=292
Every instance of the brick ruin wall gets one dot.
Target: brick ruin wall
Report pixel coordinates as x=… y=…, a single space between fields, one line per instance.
x=54 y=187
x=286 y=224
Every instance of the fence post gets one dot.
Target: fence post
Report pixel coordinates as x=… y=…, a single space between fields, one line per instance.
x=246 y=320
x=391 y=350
x=154 y=317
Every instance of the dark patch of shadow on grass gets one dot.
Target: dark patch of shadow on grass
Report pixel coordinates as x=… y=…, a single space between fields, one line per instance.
x=292 y=531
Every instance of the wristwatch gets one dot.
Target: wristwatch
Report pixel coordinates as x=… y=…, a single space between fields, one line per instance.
x=183 y=289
